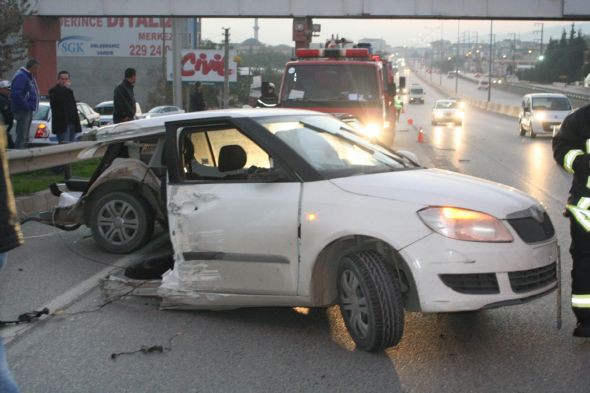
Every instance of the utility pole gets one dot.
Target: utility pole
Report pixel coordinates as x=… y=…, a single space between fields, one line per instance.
x=541 y=25
x=491 y=59
x=513 y=52
x=441 y=53
x=226 y=69
x=457 y=57
x=176 y=76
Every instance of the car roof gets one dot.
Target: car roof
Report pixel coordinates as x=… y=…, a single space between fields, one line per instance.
x=154 y=126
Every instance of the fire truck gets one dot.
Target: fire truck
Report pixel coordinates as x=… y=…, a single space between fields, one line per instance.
x=348 y=81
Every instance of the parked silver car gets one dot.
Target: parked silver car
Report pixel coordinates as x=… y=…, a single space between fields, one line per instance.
x=40 y=132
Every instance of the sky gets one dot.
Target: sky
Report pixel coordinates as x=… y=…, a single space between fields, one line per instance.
x=396 y=32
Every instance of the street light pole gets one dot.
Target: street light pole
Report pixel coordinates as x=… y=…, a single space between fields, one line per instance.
x=457 y=57
x=441 y=54
x=491 y=59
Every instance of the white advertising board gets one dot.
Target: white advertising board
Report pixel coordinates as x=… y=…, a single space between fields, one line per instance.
x=114 y=36
x=204 y=65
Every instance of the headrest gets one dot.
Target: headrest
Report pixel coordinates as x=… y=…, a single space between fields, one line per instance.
x=231 y=158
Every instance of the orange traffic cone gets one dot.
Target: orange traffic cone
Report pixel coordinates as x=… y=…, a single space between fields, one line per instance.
x=420 y=135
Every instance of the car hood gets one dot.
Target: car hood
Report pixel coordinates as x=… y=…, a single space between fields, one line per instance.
x=435 y=187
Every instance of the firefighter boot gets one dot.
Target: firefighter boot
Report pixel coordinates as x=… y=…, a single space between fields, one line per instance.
x=582 y=330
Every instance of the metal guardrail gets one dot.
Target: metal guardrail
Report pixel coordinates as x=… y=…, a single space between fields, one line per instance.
x=527 y=88
x=27 y=160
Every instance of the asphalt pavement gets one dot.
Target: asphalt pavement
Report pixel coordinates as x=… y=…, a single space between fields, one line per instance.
x=512 y=349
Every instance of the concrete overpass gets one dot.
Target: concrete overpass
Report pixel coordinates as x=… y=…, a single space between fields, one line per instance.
x=475 y=9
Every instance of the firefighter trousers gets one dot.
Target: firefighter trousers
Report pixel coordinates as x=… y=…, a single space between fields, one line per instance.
x=580 y=251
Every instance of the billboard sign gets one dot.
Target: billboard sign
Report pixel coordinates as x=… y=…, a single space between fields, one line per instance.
x=114 y=36
x=204 y=65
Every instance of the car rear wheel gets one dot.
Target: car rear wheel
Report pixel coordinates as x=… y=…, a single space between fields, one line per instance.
x=121 y=222
x=370 y=301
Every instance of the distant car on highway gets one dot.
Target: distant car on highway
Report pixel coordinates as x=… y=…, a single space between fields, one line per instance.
x=40 y=133
x=483 y=84
x=163 y=110
x=447 y=111
x=106 y=108
x=543 y=113
x=283 y=207
x=416 y=94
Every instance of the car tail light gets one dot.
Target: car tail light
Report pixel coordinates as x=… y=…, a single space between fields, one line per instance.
x=42 y=131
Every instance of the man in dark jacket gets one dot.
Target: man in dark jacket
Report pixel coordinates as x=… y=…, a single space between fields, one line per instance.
x=10 y=237
x=24 y=100
x=65 y=122
x=124 y=98
x=5 y=111
x=571 y=149
x=196 y=101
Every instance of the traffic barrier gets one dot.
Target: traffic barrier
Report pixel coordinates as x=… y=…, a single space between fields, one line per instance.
x=27 y=160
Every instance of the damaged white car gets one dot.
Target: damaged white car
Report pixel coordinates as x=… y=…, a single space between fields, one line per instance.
x=290 y=208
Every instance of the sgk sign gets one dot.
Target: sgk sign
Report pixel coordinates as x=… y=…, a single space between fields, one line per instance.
x=204 y=65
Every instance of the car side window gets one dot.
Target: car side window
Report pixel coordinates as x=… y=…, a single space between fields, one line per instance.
x=222 y=154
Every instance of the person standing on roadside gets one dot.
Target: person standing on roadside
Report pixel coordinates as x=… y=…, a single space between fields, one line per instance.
x=196 y=102
x=5 y=111
x=65 y=122
x=10 y=237
x=124 y=98
x=24 y=100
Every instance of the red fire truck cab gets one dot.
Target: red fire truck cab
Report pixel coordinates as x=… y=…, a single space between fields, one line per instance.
x=347 y=81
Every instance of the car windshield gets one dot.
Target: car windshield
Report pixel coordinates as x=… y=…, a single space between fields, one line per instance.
x=331 y=147
x=446 y=104
x=551 y=103
x=416 y=91
x=331 y=82
x=42 y=113
x=104 y=110
x=159 y=109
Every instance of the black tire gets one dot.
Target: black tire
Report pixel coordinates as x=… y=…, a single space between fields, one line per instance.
x=533 y=133
x=365 y=277
x=121 y=222
x=522 y=130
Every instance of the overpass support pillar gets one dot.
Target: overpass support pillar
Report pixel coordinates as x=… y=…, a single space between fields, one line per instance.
x=43 y=33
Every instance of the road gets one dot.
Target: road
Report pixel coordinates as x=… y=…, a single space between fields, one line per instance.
x=512 y=349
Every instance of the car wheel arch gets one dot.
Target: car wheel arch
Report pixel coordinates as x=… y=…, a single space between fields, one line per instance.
x=325 y=270
x=143 y=190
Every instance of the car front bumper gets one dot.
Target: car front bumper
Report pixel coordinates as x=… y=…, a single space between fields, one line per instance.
x=452 y=275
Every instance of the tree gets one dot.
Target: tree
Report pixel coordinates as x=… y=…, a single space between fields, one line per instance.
x=13 y=45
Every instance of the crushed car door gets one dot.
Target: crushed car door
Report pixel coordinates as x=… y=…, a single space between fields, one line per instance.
x=233 y=212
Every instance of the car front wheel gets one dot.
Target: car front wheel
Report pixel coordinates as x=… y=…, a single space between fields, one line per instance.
x=370 y=301
x=121 y=222
x=522 y=130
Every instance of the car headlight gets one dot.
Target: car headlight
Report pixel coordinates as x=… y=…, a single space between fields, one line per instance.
x=464 y=224
x=540 y=116
x=372 y=130
x=438 y=113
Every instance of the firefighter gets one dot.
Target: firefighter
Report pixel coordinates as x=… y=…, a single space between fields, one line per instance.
x=269 y=98
x=571 y=149
x=399 y=106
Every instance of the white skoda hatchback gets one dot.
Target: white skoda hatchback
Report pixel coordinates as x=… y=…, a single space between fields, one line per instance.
x=276 y=207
